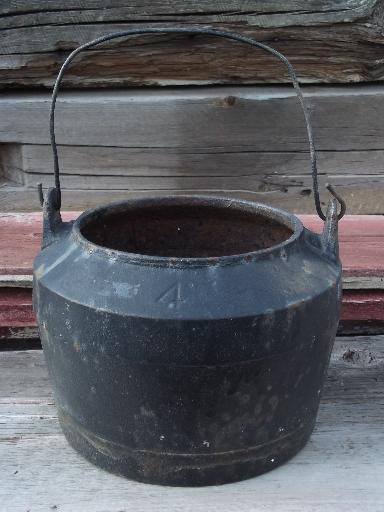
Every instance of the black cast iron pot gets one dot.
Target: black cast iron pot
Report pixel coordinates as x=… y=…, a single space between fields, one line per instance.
x=187 y=337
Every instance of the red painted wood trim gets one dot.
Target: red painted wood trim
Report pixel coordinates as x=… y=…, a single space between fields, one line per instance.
x=361 y=242
x=363 y=306
x=16 y=314
x=361 y=239
x=20 y=238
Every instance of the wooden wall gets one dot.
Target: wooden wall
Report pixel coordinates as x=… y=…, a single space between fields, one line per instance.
x=327 y=40
x=218 y=117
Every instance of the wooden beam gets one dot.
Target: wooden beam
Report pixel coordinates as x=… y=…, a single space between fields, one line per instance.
x=331 y=41
x=96 y=162
x=297 y=199
x=17 y=320
x=246 y=141
x=261 y=119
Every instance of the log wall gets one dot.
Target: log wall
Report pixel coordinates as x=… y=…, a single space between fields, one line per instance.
x=146 y=130
x=243 y=141
x=332 y=41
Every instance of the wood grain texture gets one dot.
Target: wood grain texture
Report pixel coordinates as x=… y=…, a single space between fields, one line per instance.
x=340 y=470
x=17 y=319
x=257 y=119
x=329 y=41
x=247 y=142
x=20 y=240
x=360 y=200
x=363 y=306
x=97 y=162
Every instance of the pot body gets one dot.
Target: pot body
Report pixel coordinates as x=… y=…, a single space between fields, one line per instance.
x=183 y=371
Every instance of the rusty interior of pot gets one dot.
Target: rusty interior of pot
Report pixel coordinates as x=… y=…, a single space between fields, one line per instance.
x=185 y=231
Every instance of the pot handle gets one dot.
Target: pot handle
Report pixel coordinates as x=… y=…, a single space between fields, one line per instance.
x=56 y=195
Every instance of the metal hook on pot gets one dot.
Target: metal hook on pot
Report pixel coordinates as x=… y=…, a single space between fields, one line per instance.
x=339 y=199
x=204 y=31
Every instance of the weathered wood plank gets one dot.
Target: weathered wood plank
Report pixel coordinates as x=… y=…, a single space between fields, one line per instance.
x=20 y=239
x=43 y=13
x=196 y=140
x=24 y=379
x=233 y=119
x=256 y=172
x=341 y=469
x=100 y=161
x=17 y=320
x=363 y=305
x=371 y=186
x=238 y=181
x=334 y=41
x=16 y=281
x=297 y=198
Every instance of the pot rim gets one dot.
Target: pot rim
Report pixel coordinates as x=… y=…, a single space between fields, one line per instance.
x=282 y=216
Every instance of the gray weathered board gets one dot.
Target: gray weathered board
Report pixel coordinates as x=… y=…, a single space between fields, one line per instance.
x=244 y=141
x=340 y=470
x=328 y=41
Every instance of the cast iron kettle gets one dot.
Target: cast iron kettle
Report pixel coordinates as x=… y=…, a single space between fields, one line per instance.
x=187 y=337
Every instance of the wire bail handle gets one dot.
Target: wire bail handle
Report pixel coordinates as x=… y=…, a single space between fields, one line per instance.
x=192 y=30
